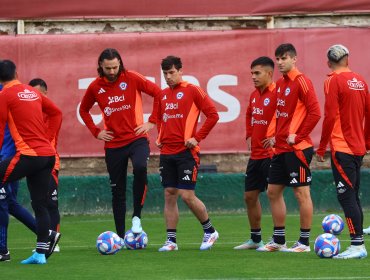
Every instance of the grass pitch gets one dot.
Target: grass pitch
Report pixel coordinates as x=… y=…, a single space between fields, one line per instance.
x=79 y=258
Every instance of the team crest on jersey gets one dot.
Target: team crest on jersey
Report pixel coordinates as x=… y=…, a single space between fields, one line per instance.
x=123 y=86
x=179 y=95
x=266 y=101
x=287 y=91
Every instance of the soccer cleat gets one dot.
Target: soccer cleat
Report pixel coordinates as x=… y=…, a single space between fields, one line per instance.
x=299 y=248
x=366 y=230
x=36 y=258
x=353 y=252
x=136 y=225
x=57 y=249
x=53 y=239
x=208 y=240
x=273 y=247
x=250 y=244
x=5 y=257
x=168 y=246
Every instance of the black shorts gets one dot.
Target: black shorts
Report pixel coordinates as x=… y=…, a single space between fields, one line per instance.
x=180 y=170
x=346 y=171
x=256 y=174
x=291 y=169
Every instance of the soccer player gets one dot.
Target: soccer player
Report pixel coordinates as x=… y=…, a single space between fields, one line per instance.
x=260 y=129
x=53 y=209
x=22 y=107
x=178 y=139
x=346 y=127
x=118 y=94
x=297 y=114
x=8 y=200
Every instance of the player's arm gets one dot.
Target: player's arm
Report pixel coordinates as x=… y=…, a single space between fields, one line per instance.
x=3 y=117
x=308 y=96
x=87 y=103
x=54 y=117
x=206 y=106
x=330 y=111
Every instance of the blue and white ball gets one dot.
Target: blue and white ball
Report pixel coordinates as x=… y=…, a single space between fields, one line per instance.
x=135 y=241
x=108 y=243
x=332 y=224
x=327 y=245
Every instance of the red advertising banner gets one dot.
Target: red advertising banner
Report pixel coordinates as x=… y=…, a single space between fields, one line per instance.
x=217 y=61
x=25 y=9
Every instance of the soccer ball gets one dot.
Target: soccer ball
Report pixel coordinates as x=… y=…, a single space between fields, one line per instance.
x=332 y=224
x=108 y=243
x=134 y=241
x=327 y=245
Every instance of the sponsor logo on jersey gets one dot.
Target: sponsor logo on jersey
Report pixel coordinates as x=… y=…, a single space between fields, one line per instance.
x=123 y=86
x=294 y=181
x=166 y=117
x=171 y=106
x=260 y=122
x=179 y=95
x=28 y=95
x=356 y=84
x=257 y=111
x=186 y=178
x=341 y=187
x=281 y=114
x=281 y=102
x=164 y=97
x=115 y=99
x=101 y=90
x=109 y=111
x=278 y=90
x=266 y=101
x=287 y=91
x=254 y=100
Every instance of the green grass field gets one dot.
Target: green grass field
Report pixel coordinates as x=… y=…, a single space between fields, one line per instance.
x=79 y=258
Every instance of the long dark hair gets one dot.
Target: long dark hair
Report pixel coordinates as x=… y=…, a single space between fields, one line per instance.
x=110 y=54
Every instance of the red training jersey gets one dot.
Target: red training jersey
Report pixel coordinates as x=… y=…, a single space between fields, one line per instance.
x=22 y=107
x=297 y=111
x=347 y=106
x=261 y=120
x=179 y=111
x=121 y=104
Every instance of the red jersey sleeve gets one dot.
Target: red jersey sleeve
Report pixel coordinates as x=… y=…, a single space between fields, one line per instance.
x=308 y=96
x=54 y=115
x=86 y=104
x=3 y=117
x=248 y=121
x=331 y=108
x=205 y=105
x=151 y=89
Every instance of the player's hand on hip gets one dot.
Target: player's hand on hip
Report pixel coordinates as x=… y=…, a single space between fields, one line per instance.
x=268 y=142
x=144 y=128
x=159 y=145
x=191 y=143
x=105 y=135
x=291 y=139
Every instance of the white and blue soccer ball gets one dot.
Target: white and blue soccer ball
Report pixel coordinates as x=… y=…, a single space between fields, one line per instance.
x=135 y=241
x=108 y=243
x=327 y=245
x=332 y=224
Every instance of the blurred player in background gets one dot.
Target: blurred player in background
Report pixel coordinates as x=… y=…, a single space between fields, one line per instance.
x=180 y=106
x=260 y=130
x=346 y=127
x=297 y=113
x=53 y=209
x=22 y=107
x=118 y=94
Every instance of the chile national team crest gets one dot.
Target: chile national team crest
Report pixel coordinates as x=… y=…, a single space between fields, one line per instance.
x=287 y=91
x=179 y=95
x=266 y=101
x=123 y=86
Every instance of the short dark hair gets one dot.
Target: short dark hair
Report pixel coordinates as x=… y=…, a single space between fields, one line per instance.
x=264 y=61
x=110 y=54
x=286 y=48
x=38 y=82
x=170 y=61
x=7 y=70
